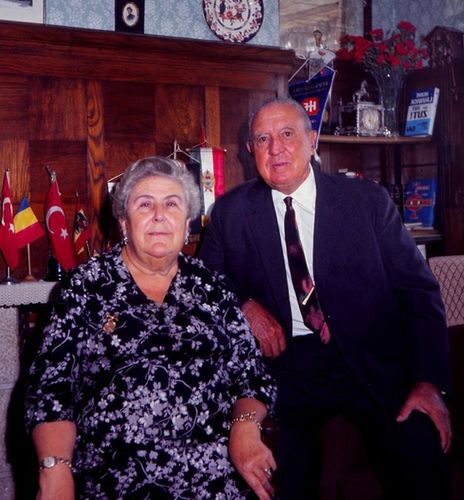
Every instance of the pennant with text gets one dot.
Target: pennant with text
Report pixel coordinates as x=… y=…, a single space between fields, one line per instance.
x=313 y=95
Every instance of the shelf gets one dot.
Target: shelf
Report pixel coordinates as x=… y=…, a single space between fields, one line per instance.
x=425 y=236
x=378 y=140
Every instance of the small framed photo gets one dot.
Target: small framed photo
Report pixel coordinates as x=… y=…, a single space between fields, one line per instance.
x=29 y=11
x=130 y=16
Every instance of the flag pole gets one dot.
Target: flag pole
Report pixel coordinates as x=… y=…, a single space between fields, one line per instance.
x=87 y=247
x=30 y=276
x=8 y=279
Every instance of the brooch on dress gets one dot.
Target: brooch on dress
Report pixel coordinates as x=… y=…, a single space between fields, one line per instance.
x=110 y=323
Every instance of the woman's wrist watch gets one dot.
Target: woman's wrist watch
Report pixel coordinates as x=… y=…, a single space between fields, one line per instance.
x=51 y=461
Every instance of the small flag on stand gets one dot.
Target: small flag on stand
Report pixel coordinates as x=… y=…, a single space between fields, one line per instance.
x=27 y=227
x=55 y=220
x=8 y=244
x=81 y=229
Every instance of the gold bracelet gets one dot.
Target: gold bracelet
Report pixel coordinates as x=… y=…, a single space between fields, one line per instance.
x=248 y=416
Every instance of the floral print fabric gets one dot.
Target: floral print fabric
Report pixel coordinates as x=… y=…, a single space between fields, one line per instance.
x=149 y=386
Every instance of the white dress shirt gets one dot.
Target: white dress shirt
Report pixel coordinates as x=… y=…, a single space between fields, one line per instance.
x=304 y=204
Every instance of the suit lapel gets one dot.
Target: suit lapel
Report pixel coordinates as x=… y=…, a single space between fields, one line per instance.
x=327 y=227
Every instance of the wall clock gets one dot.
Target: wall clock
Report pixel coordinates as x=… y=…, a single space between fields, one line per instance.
x=234 y=20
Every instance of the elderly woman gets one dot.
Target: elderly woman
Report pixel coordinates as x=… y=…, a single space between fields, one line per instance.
x=148 y=372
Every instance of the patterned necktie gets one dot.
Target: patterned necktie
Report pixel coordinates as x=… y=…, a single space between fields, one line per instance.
x=302 y=282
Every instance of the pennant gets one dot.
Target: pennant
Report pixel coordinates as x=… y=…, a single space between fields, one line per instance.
x=27 y=227
x=81 y=229
x=55 y=221
x=211 y=175
x=313 y=95
x=8 y=244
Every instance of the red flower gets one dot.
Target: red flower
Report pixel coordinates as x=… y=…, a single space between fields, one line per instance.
x=377 y=34
x=385 y=55
x=406 y=26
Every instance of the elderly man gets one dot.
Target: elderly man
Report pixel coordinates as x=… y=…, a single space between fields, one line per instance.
x=343 y=304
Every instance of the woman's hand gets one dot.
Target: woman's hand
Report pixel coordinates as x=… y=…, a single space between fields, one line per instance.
x=252 y=458
x=56 y=484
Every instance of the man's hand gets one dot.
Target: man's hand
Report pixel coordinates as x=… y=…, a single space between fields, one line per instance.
x=425 y=397
x=252 y=458
x=265 y=328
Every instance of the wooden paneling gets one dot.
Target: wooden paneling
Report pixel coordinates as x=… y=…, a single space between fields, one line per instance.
x=58 y=109
x=129 y=111
x=14 y=106
x=89 y=103
x=14 y=156
x=95 y=160
x=180 y=113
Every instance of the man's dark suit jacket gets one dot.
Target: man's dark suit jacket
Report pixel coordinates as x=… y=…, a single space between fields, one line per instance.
x=380 y=300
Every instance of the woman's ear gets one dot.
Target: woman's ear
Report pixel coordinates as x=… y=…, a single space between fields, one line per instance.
x=123 y=226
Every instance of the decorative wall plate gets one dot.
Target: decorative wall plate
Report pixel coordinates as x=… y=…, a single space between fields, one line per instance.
x=234 y=20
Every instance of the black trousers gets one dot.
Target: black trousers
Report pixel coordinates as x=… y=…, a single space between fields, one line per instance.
x=314 y=385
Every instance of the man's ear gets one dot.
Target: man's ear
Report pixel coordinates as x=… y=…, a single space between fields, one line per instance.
x=249 y=148
x=312 y=134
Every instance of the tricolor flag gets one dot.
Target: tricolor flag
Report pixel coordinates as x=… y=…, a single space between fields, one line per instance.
x=7 y=230
x=81 y=229
x=55 y=220
x=27 y=226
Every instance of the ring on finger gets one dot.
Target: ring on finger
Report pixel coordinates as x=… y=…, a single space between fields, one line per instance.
x=268 y=471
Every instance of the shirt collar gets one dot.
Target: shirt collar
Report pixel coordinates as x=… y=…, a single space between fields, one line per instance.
x=304 y=195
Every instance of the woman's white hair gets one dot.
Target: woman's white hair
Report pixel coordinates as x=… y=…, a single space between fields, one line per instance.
x=155 y=166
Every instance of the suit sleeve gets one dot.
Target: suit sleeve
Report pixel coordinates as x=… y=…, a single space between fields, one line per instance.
x=419 y=295
x=212 y=247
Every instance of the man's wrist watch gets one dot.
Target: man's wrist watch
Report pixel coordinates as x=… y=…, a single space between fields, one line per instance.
x=50 y=462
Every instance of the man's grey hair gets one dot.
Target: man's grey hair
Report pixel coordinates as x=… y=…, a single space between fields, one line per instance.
x=155 y=166
x=287 y=101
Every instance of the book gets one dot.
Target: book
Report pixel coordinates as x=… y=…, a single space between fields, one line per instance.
x=419 y=203
x=422 y=109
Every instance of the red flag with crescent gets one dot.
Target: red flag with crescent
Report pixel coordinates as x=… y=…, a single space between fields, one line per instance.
x=8 y=244
x=59 y=236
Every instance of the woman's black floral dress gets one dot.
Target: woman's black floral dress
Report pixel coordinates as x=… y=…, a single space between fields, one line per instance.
x=150 y=387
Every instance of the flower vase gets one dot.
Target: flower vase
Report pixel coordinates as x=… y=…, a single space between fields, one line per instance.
x=389 y=86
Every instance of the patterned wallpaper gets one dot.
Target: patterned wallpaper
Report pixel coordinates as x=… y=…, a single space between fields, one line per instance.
x=425 y=15
x=179 y=18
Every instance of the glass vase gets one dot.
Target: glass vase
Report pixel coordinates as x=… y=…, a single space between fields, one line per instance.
x=389 y=85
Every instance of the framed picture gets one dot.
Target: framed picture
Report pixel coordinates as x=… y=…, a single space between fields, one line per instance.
x=30 y=11
x=130 y=16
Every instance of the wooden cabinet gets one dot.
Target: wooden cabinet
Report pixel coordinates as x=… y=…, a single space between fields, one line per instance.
x=389 y=161
x=449 y=139
x=392 y=161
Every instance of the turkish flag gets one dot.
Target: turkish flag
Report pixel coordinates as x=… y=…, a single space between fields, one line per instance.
x=7 y=230
x=59 y=236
